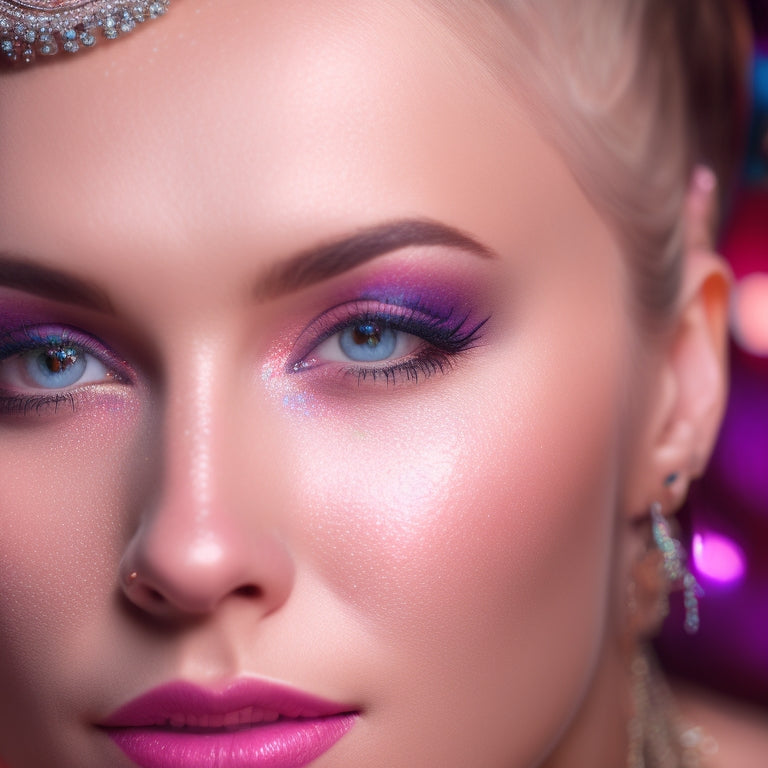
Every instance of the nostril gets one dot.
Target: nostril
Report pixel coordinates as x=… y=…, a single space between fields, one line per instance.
x=248 y=590
x=163 y=574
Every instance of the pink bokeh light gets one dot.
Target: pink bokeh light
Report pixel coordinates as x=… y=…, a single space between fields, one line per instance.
x=718 y=558
x=749 y=317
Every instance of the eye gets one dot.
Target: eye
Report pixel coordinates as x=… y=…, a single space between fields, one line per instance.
x=367 y=341
x=53 y=366
x=371 y=340
x=51 y=361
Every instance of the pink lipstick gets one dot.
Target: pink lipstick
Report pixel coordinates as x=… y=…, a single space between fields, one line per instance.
x=248 y=724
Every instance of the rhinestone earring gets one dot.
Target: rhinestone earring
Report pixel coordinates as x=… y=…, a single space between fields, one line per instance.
x=675 y=567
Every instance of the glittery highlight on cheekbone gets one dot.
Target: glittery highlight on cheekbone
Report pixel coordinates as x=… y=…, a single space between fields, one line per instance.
x=43 y=28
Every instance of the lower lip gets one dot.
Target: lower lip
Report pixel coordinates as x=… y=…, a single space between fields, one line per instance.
x=283 y=744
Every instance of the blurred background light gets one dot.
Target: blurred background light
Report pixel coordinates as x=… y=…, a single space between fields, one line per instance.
x=718 y=558
x=749 y=319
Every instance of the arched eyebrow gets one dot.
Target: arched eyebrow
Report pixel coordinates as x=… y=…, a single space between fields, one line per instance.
x=333 y=258
x=299 y=271
x=24 y=275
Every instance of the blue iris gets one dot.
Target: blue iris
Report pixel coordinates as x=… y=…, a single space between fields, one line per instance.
x=56 y=367
x=368 y=341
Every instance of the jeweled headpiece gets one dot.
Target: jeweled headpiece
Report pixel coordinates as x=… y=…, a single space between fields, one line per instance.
x=32 y=28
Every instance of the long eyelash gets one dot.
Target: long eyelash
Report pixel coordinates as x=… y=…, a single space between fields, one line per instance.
x=24 y=406
x=24 y=339
x=439 y=358
x=29 y=338
x=446 y=338
x=440 y=331
x=424 y=366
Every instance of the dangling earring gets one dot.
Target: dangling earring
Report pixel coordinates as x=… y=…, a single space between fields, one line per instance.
x=675 y=568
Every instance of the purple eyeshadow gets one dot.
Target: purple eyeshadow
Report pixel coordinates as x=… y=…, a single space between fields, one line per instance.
x=429 y=308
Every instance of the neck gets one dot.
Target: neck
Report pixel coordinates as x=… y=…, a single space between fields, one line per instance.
x=598 y=734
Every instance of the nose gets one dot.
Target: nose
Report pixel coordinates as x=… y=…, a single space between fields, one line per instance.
x=174 y=569
x=211 y=534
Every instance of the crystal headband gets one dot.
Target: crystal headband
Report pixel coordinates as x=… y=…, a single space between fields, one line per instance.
x=32 y=28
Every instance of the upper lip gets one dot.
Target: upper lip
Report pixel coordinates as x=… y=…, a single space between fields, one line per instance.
x=241 y=703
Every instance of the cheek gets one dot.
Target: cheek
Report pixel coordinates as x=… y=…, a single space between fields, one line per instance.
x=469 y=531
x=63 y=502
x=449 y=508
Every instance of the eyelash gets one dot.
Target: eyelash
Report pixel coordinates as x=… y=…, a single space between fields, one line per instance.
x=447 y=336
x=30 y=339
x=19 y=405
x=444 y=338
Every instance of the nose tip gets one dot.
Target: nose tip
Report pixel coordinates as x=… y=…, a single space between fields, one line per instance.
x=195 y=575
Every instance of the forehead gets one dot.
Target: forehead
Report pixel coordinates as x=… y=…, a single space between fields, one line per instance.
x=261 y=120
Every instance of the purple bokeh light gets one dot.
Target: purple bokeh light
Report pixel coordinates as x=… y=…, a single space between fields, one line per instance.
x=718 y=558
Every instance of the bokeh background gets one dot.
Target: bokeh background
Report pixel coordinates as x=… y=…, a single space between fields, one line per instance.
x=726 y=519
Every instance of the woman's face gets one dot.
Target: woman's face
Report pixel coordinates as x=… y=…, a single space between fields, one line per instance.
x=265 y=412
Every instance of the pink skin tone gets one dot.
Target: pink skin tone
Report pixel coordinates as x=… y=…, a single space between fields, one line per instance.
x=416 y=553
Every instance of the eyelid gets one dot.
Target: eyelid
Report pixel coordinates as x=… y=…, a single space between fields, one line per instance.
x=29 y=337
x=444 y=335
x=403 y=317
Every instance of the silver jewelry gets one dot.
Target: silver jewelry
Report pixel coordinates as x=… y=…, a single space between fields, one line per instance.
x=32 y=28
x=675 y=567
x=657 y=736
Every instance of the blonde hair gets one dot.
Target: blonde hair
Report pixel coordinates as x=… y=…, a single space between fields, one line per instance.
x=633 y=94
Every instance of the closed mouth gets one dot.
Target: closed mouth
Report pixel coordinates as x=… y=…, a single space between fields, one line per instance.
x=180 y=725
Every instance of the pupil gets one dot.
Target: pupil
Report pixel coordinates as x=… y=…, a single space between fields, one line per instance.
x=368 y=334
x=58 y=360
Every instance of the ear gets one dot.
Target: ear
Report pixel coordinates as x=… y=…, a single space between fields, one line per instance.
x=691 y=391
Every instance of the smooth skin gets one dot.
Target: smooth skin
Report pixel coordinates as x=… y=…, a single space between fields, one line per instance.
x=449 y=556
